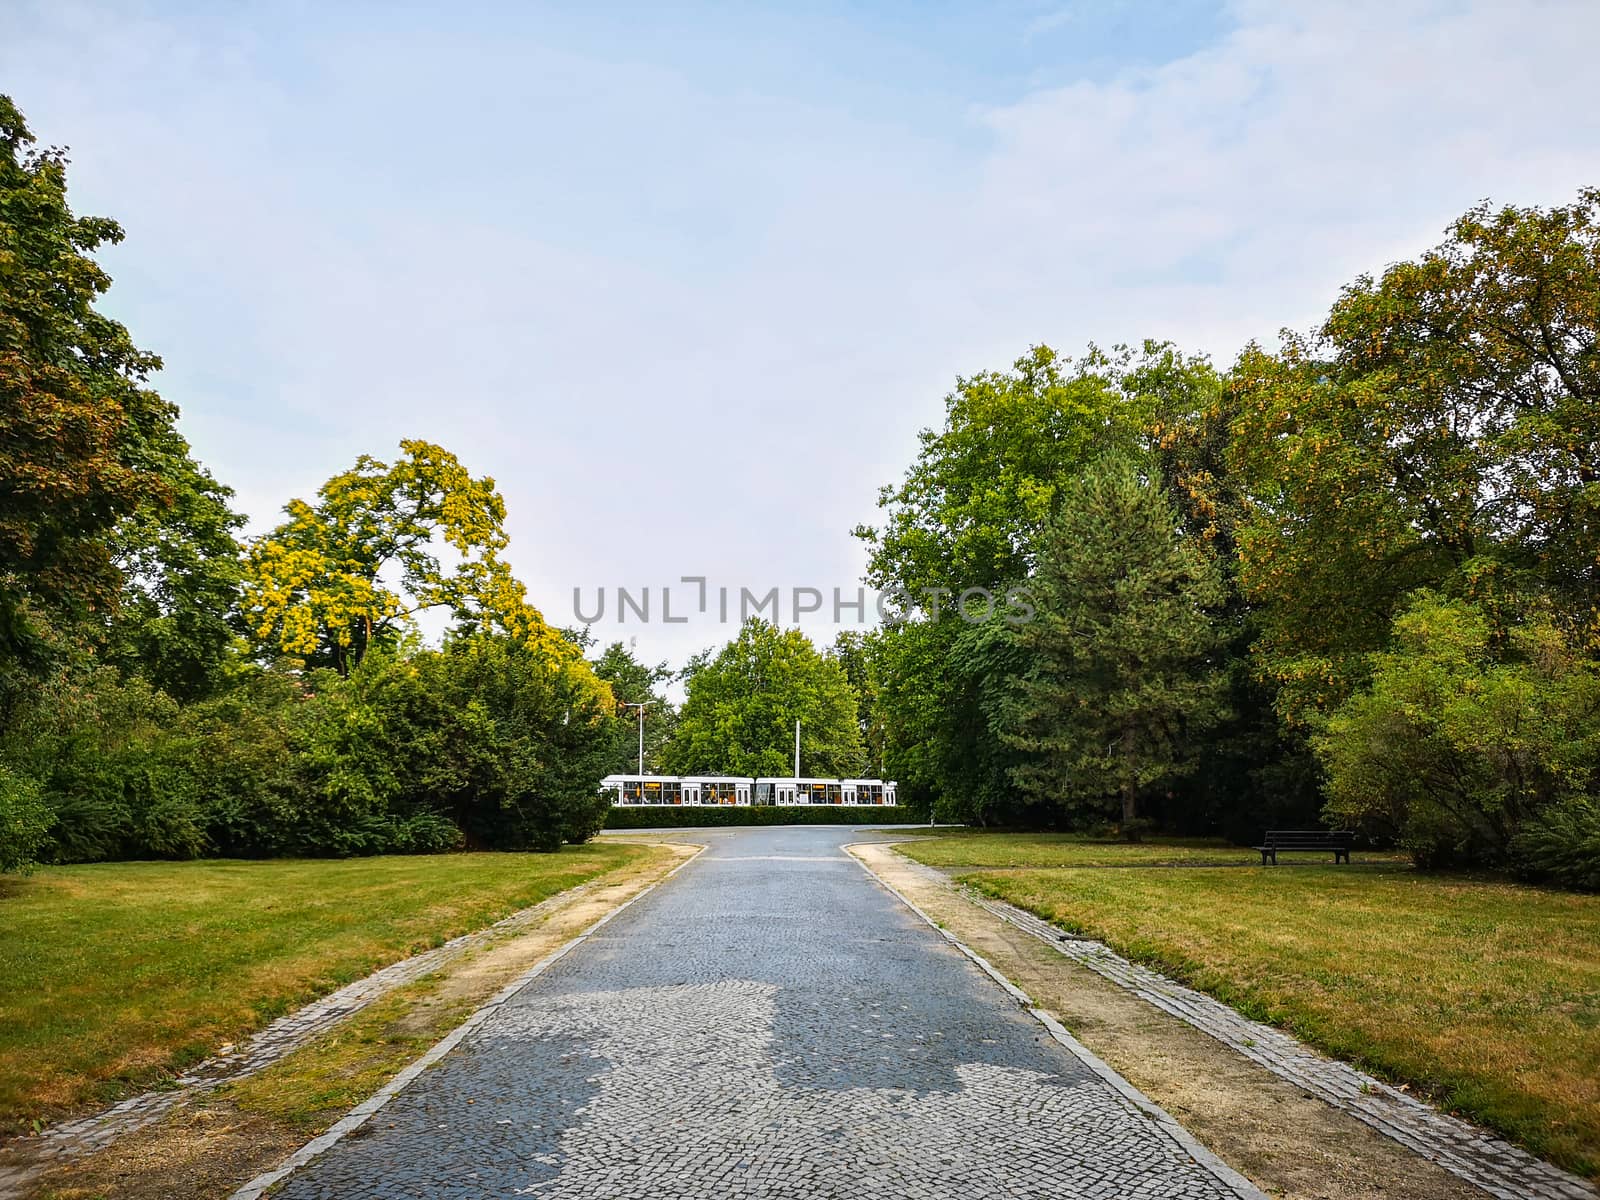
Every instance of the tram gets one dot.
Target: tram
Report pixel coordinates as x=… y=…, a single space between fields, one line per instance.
x=631 y=790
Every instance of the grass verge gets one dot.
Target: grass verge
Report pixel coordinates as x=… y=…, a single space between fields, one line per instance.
x=1482 y=993
x=114 y=975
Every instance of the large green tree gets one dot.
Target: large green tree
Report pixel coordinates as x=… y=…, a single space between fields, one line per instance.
x=75 y=410
x=1441 y=429
x=738 y=717
x=1122 y=677
x=969 y=514
x=1255 y=771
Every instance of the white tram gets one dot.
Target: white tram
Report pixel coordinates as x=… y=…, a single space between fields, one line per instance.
x=630 y=790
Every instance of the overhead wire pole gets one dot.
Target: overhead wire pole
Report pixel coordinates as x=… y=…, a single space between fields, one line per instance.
x=797 y=747
x=641 y=705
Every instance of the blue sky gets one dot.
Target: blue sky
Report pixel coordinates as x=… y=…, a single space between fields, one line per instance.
x=687 y=279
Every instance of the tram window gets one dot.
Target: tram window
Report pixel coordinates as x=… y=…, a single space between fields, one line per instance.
x=833 y=794
x=763 y=793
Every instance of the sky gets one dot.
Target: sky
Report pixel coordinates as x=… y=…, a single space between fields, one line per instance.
x=686 y=280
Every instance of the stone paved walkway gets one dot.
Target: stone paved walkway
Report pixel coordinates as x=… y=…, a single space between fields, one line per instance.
x=769 y=1022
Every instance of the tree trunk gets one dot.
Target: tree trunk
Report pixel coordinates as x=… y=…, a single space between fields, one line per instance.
x=1130 y=786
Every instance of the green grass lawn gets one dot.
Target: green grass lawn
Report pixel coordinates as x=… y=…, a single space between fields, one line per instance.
x=1483 y=993
x=114 y=974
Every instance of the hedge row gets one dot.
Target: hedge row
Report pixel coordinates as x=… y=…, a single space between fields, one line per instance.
x=696 y=816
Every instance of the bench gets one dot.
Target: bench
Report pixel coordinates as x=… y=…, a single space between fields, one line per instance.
x=1305 y=839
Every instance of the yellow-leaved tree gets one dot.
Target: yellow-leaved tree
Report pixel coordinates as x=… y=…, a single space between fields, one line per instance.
x=383 y=543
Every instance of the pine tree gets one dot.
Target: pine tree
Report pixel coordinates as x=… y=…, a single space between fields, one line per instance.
x=1122 y=675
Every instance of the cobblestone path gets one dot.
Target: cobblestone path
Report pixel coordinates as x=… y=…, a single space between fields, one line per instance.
x=769 y=1022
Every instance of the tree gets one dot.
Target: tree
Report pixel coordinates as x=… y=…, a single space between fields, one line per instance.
x=180 y=569
x=1441 y=429
x=1463 y=735
x=738 y=717
x=74 y=409
x=319 y=585
x=1254 y=771
x=547 y=728
x=966 y=515
x=850 y=651
x=969 y=514
x=631 y=682
x=1122 y=674
x=981 y=487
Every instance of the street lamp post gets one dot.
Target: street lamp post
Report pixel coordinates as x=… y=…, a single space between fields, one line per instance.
x=641 y=705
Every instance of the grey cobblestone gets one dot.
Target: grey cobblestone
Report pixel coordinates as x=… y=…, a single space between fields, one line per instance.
x=1465 y=1150
x=768 y=1023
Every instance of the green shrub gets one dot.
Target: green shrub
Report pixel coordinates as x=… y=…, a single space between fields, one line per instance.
x=695 y=816
x=427 y=832
x=249 y=784
x=1561 y=845
x=115 y=769
x=526 y=736
x=1467 y=732
x=491 y=741
x=24 y=821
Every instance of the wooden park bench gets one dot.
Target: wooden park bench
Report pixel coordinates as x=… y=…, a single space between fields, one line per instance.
x=1305 y=839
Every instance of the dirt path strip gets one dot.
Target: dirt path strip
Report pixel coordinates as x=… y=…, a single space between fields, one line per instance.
x=463 y=964
x=1284 y=1138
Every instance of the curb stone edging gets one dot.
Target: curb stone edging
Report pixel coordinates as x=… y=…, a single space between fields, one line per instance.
x=1158 y=1116
x=359 y=1115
